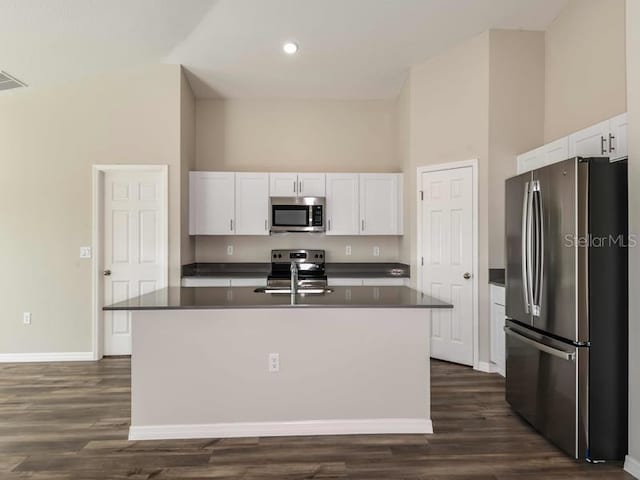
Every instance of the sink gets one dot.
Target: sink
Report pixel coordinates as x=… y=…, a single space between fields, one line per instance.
x=287 y=291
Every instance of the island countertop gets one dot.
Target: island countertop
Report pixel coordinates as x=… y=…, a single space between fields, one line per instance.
x=190 y=298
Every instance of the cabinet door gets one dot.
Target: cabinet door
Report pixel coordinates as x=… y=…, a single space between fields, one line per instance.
x=591 y=142
x=211 y=203
x=498 y=337
x=343 y=204
x=252 y=204
x=283 y=184
x=530 y=160
x=618 y=137
x=311 y=184
x=381 y=204
x=556 y=151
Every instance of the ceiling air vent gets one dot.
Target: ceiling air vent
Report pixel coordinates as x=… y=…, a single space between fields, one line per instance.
x=7 y=82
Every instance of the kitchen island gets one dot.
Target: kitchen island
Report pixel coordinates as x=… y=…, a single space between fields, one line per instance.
x=230 y=362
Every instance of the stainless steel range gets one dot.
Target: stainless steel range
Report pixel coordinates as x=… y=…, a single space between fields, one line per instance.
x=297 y=269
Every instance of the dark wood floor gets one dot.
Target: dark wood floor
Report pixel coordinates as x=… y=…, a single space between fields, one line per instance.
x=70 y=421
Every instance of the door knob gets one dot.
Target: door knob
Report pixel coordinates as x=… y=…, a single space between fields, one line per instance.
x=466 y=276
x=107 y=273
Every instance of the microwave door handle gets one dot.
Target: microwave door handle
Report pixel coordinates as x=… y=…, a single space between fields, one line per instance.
x=525 y=246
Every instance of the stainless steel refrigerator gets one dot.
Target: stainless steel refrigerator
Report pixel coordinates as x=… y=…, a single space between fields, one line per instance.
x=566 y=304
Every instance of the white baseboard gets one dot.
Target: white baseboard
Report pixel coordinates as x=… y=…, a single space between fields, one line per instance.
x=486 y=367
x=489 y=367
x=279 y=429
x=47 y=357
x=632 y=466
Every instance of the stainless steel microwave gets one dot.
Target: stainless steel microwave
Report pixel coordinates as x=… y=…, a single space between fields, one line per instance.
x=297 y=214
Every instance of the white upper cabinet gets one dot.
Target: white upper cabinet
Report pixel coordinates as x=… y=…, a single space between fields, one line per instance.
x=311 y=184
x=343 y=204
x=556 y=151
x=252 y=204
x=592 y=141
x=618 y=137
x=605 y=139
x=297 y=184
x=283 y=184
x=381 y=204
x=530 y=160
x=211 y=203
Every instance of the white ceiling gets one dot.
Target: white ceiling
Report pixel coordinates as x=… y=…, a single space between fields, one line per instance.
x=232 y=48
x=49 y=42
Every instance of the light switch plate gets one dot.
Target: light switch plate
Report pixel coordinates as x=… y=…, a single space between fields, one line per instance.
x=85 y=252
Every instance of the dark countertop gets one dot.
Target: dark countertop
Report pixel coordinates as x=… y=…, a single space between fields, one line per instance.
x=335 y=270
x=496 y=276
x=188 y=298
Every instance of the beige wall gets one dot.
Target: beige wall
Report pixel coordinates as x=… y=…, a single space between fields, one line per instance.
x=585 y=66
x=49 y=139
x=187 y=164
x=449 y=121
x=516 y=117
x=296 y=136
x=633 y=81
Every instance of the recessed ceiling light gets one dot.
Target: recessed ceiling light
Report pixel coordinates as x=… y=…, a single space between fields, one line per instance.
x=290 y=48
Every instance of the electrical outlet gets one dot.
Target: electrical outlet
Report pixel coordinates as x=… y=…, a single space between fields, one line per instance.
x=85 y=252
x=26 y=318
x=229 y=249
x=347 y=250
x=376 y=251
x=274 y=362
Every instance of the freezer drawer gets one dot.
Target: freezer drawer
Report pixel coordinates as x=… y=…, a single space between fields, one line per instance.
x=542 y=386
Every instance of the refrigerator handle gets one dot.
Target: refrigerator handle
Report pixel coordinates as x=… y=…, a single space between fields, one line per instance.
x=530 y=264
x=537 y=294
x=540 y=346
x=525 y=247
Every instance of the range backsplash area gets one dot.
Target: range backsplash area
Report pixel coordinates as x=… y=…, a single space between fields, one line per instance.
x=258 y=249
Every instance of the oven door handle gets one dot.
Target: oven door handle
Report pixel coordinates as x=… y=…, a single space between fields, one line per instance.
x=570 y=356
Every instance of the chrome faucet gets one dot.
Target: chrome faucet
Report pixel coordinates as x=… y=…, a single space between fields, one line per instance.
x=294 y=278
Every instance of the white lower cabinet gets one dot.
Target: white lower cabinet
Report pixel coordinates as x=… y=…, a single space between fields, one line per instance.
x=249 y=282
x=359 y=282
x=205 y=282
x=224 y=282
x=497 y=328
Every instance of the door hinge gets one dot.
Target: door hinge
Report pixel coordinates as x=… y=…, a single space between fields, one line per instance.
x=421 y=194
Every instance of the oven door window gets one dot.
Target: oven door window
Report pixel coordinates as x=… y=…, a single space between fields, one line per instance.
x=290 y=216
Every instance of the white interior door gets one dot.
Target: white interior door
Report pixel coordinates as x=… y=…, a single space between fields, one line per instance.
x=447 y=250
x=134 y=247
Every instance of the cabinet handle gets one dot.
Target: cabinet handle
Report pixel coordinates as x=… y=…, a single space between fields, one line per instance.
x=603 y=149
x=611 y=138
x=294 y=186
x=231 y=225
x=329 y=225
x=300 y=184
x=362 y=224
